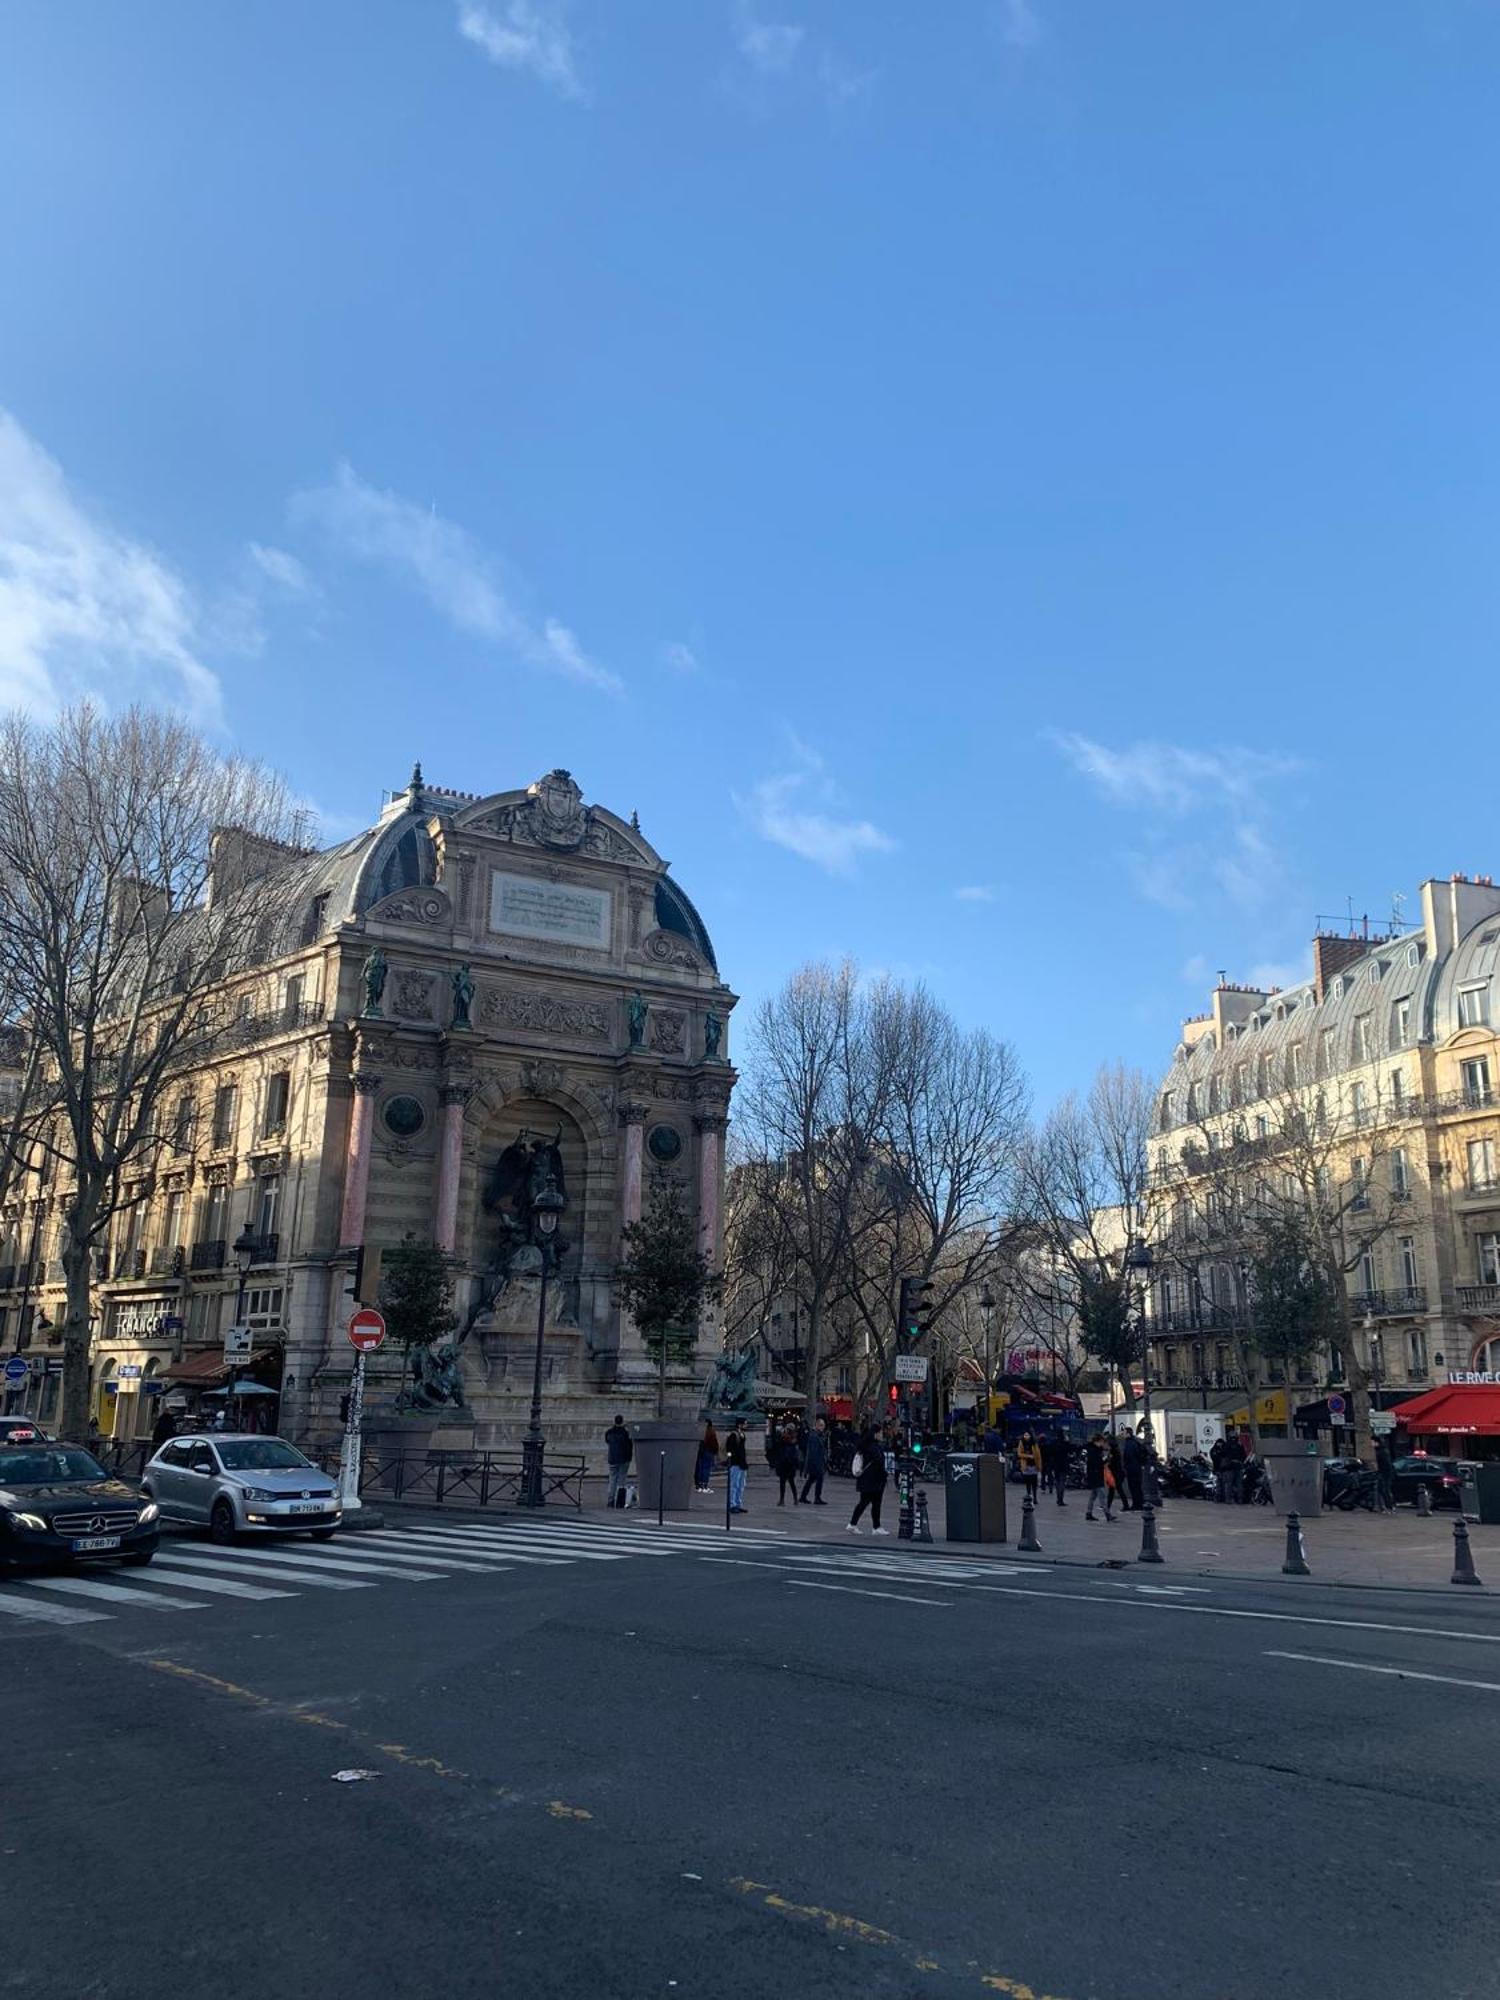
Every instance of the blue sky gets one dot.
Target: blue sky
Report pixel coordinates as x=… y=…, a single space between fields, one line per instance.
x=1006 y=488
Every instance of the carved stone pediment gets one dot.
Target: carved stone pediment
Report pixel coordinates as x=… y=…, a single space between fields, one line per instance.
x=424 y=907
x=668 y=948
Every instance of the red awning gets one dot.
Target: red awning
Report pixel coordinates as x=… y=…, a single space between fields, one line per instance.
x=201 y=1371
x=1459 y=1410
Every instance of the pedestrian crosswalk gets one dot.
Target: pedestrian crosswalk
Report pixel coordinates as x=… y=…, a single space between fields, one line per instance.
x=188 y=1574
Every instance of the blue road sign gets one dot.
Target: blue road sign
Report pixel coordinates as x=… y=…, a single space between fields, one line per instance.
x=17 y=1368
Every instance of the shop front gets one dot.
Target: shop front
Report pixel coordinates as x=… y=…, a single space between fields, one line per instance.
x=206 y=1390
x=1459 y=1420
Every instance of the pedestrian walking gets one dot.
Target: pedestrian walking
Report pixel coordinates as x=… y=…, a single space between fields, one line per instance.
x=165 y=1427
x=739 y=1466
x=992 y=1442
x=1218 y=1459
x=784 y=1465
x=815 y=1462
x=869 y=1482
x=1385 y=1477
x=1095 y=1473
x=708 y=1458
x=1115 y=1473
x=1134 y=1461
x=1059 y=1458
x=1029 y=1459
x=619 y=1450
x=1234 y=1468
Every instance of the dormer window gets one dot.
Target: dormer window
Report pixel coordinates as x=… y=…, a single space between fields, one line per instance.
x=1414 y=954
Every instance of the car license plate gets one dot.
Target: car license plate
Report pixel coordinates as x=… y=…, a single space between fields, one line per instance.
x=309 y=1506
x=93 y=1544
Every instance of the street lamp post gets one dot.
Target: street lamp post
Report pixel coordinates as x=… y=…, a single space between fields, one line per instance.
x=987 y=1312
x=545 y=1208
x=1138 y=1259
x=245 y=1246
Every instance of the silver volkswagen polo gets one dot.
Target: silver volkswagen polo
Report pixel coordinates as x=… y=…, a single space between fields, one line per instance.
x=233 y=1484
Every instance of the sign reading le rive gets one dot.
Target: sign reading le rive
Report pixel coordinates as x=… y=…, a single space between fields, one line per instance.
x=527 y=906
x=911 y=1367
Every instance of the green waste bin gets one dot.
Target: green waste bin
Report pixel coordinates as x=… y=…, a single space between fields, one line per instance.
x=974 y=1496
x=1479 y=1490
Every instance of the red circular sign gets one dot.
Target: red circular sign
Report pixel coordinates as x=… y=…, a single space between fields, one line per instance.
x=367 y=1329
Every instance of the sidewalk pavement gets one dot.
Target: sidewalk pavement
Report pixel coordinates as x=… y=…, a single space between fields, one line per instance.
x=1198 y=1537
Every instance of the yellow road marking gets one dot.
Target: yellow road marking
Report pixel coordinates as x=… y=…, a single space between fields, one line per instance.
x=839 y=1924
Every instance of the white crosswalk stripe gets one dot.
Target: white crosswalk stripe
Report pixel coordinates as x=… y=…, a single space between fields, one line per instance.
x=193 y=1575
x=115 y=1593
x=193 y=1563
x=13 y=1606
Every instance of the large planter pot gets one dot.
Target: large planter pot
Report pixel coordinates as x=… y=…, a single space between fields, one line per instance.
x=666 y=1455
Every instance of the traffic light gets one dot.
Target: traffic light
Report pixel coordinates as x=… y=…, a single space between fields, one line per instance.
x=915 y=1312
x=894 y=1392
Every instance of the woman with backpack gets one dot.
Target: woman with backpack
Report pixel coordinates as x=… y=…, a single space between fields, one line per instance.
x=1029 y=1459
x=869 y=1481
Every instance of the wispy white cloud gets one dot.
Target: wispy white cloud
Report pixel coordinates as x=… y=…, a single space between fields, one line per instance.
x=84 y=609
x=1019 y=23
x=444 y=564
x=975 y=892
x=1204 y=815
x=1272 y=973
x=280 y=567
x=797 y=809
x=526 y=35
x=769 y=47
x=680 y=658
x=772 y=53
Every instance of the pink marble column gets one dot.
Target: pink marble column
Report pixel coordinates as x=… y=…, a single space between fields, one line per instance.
x=633 y=1118
x=450 y=1166
x=710 y=1175
x=357 y=1163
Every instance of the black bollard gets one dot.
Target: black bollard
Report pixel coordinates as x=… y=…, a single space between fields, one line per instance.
x=1463 y=1555
x=661 y=1486
x=1296 y=1555
x=1150 y=1552
x=728 y=1498
x=1028 y=1544
x=923 y=1531
x=904 y=1517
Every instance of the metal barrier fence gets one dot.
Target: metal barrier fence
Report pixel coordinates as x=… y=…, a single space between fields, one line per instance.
x=456 y=1478
x=424 y=1478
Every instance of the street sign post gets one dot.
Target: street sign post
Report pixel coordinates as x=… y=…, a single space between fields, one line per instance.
x=1336 y=1409
x=237 y=1343
x=17 y=1368
x=911 y=1368
x=366 y=1332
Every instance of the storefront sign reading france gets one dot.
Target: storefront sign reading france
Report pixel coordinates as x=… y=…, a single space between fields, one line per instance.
x=562 y=912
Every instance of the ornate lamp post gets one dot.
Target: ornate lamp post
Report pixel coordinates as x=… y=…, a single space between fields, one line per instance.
x=547 y=1205
x=1139 y=1261
x=246 y=1244
x=987 y=1308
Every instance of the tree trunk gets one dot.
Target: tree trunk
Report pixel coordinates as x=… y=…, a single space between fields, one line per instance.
x=77 y=1263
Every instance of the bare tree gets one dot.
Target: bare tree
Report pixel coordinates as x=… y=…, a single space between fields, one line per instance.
x=809 y=1115
x=1290 y=1214
x=944 y=1186
x=115 y=932
x=1084 y=1190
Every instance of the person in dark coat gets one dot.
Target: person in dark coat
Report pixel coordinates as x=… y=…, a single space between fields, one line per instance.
x=164 y=1428
x=1094 y=1460
x=1134 y=1461
x=784 y=1464
x=815 y=1462
x=1059 y=1457
x=708 y=1458
x=619 y=1450
x=1117 y=1474
x=869 y=1482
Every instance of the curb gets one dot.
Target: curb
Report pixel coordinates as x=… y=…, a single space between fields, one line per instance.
x=961 y=1552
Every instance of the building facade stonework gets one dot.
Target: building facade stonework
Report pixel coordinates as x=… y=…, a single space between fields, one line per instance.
x=1391 y=1052
x=470 y=983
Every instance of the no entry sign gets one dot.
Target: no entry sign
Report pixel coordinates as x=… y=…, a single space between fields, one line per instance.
x=367 y=1329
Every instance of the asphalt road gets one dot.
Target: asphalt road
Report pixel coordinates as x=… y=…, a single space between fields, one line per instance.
x=795 y=1772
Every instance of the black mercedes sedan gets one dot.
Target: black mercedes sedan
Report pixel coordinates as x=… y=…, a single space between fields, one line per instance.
x=58 y=1505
